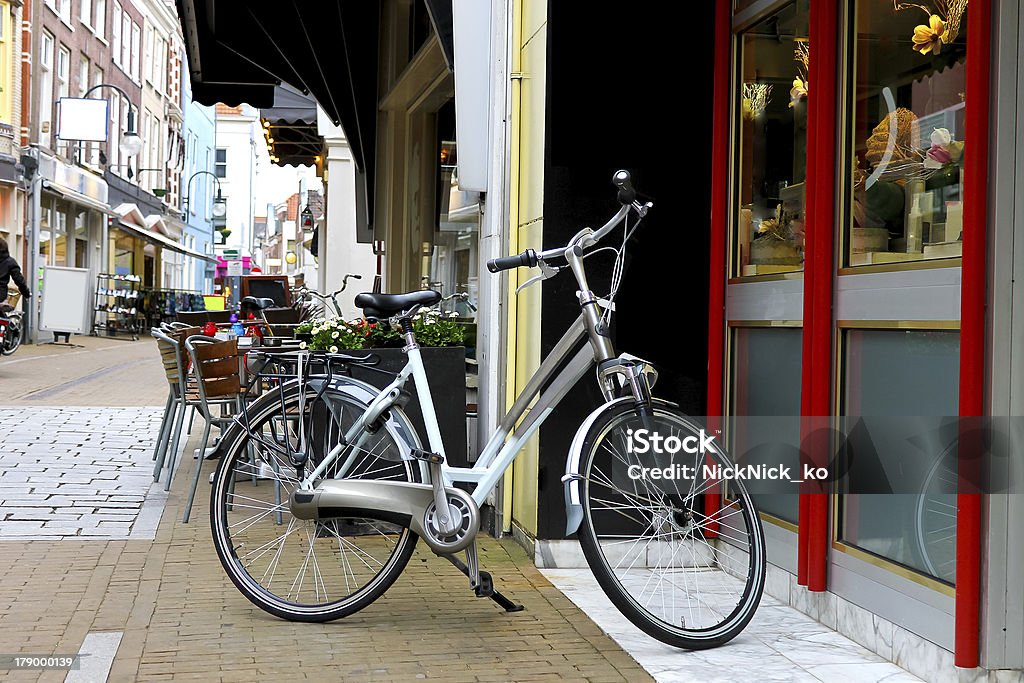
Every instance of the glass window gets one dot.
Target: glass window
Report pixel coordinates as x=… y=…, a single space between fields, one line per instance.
x=148 y=47
x=85 y=12
x=63 y=66
x=100 y=26
x=772 y=143
x=136 y=39
x=221 y=167
x=65 y=11
x=126 y=42
x=45 y=88
x=765 y=408
x=115 y=26
x=900 y=391
x=907 y=146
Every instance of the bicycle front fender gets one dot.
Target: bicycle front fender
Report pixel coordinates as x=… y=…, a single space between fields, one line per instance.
x=573 y=503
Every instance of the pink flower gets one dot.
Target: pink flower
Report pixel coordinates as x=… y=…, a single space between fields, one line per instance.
x=940 y=155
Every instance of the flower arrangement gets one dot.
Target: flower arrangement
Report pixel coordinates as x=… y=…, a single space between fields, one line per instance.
x=943 y=25
x=335 y=334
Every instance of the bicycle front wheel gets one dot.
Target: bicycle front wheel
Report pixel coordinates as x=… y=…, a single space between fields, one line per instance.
x=689 y=576
x=306 y=570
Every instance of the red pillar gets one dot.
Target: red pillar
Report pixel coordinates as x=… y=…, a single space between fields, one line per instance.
x=819 y=275
x=972 y=323
x=719 y=226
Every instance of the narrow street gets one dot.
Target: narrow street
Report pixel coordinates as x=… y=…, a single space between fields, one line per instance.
x=95 y=560
x=85 y=567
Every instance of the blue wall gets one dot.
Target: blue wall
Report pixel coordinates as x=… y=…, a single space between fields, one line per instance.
x=199 y=130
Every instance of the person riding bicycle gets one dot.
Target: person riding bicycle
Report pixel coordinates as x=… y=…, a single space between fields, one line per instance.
x=10 y=270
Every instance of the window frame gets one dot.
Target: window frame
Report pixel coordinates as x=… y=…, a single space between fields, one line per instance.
x=742 y=20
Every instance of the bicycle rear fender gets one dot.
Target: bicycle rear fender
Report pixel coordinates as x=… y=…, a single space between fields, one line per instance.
x=573 y=476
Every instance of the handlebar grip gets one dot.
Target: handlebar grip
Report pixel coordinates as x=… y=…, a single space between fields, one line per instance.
x=527 y=258
x=624 y=182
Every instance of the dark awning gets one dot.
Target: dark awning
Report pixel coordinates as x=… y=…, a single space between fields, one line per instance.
x=292 y=125
x=239 y=50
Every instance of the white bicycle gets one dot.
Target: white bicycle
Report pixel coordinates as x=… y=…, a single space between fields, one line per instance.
x=324 y=486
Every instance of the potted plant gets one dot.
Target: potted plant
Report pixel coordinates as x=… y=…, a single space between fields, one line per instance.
x=444 y=356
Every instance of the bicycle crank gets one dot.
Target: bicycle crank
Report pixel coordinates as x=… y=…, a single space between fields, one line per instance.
x=407 y=504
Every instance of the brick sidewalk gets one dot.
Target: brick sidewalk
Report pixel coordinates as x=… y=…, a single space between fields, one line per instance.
x=181 y=617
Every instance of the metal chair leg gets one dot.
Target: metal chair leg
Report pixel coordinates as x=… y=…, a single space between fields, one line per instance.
x=161 y=446
x=165 y=444
x=178 y=423
x=191 y=419
x=199 y=469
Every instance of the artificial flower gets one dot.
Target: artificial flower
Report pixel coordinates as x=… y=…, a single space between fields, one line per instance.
x=797 y=92
x=929 y=38
x=944 y=149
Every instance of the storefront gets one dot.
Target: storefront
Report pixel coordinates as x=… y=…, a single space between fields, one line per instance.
x=854 y=251
x=11 y=209
x=73 y=209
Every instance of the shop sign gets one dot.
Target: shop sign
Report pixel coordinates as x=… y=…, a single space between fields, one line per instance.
x=73 y=178
x=234 y=269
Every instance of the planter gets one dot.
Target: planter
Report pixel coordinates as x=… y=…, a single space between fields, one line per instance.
x=772 y=252
x=446 y=372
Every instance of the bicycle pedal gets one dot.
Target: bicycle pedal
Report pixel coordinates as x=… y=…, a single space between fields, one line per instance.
x=427 y=456
x=485 y=588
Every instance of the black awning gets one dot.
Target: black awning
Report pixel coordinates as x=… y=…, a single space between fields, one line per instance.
x=238 y=50
x=291 y=107
x=291 y=123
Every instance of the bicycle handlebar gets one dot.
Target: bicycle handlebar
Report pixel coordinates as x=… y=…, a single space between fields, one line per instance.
x=530 y=258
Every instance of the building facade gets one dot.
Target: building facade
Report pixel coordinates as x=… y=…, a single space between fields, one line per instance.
x=199 y=189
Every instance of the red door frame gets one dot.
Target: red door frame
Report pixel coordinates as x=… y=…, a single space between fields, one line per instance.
x=972 y=322
x=817 y=373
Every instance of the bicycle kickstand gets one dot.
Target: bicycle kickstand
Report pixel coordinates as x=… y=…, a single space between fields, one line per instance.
x=481 y=581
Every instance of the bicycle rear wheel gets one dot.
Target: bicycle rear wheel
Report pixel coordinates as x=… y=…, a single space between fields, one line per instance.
x=689 y=577
x=306 y=570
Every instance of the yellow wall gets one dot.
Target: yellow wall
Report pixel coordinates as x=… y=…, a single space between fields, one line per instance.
x=526 y=221
x=8 y=35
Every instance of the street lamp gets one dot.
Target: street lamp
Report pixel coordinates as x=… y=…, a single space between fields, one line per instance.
x=131 y=143
x=219 y=208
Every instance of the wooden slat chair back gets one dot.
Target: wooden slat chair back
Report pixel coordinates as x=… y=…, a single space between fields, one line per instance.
x=215 y=364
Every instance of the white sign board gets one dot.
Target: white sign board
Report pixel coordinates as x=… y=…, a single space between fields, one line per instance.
x=82 y=119
x=234 y=269
x=65 y=300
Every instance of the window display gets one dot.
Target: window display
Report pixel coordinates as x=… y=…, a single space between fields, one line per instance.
x=907 y=108
x=772 y=144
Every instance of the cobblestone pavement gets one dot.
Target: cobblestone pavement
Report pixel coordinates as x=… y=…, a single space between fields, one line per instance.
x=79 y=472
x=163 y=609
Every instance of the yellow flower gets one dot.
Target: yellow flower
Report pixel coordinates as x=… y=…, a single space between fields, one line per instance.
x=798 y=91
x=929 y=38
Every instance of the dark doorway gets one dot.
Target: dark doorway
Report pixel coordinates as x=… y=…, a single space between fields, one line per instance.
x=613 y=71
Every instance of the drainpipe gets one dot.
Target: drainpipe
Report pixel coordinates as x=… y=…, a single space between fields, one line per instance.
x=26 y=70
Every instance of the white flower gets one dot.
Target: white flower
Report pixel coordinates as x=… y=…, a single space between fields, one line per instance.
x=334 y=349
x=335 y=335
x=941 y=137
x=302 y=345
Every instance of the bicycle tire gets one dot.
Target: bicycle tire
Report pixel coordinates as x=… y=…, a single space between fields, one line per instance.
x=11 y=344
x=733 y=558
x=358 y=538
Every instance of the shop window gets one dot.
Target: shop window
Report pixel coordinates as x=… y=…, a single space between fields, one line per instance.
x=771 y=155
x=764 y=425
x=907 y=144
x=899 y=402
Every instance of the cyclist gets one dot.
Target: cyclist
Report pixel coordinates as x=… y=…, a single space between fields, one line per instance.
x=10 y=270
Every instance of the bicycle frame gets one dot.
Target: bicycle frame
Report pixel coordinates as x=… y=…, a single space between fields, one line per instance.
x=500 y=451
